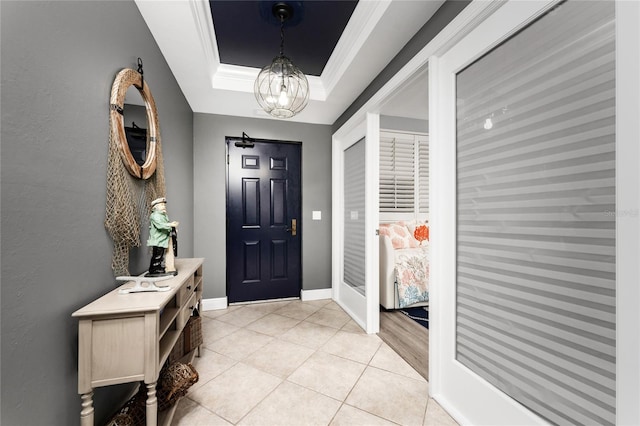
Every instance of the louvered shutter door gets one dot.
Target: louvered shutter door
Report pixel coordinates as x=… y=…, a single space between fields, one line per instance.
x=423 y=174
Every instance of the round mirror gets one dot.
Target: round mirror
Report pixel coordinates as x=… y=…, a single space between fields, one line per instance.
x=137 y=145
x=135 y=125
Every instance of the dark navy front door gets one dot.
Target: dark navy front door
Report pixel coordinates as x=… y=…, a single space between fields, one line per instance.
x=263 y=220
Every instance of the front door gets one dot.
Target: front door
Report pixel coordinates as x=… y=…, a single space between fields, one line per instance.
x=263 y=220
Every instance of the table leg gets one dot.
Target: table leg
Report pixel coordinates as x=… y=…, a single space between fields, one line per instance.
x=86 y=414
x=152 y=405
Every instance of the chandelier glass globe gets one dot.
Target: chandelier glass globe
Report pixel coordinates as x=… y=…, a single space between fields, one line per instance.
x=281 y=88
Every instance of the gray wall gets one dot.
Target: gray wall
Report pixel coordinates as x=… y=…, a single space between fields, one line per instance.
x=388 y=122
x=59 y=60
x=210 y=193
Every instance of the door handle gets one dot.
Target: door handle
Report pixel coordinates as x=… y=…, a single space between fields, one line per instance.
x=294 y=227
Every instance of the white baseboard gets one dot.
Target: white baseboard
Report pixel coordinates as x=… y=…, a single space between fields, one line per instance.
x=322 y=293
x=305 y=295
x=214 y=304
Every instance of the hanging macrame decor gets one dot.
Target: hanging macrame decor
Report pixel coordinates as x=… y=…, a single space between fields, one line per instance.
x=131 y=186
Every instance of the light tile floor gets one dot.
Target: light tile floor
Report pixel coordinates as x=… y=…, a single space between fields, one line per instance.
x=301 y=363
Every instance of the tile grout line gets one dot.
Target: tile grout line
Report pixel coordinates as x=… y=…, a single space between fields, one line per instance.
x=314 y=350
x=259 y=402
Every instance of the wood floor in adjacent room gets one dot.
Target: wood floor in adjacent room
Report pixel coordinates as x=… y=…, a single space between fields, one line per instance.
x=408 y=338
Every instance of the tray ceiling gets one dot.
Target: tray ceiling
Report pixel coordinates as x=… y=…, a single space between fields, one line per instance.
x=212 y=49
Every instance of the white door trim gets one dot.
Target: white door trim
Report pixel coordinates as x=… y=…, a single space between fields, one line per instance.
x=364 y=310
x=627 y=212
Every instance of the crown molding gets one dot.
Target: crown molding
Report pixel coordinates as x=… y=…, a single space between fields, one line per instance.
x=241 y=79
x=201 y=11
x=364 y=20
x=234 y=77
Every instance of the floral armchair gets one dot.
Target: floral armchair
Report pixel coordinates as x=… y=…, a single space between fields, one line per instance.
x=404 y=266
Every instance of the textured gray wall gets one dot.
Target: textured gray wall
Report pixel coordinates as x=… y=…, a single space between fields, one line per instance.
x=210 y=193
x=59 y=60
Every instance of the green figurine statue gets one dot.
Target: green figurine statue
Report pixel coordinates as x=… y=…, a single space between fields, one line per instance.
x=162 y=232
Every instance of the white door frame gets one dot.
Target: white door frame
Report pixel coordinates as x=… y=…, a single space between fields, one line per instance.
x=628 y=212
x=469 y=398
x=364 y=310
x=628 y=201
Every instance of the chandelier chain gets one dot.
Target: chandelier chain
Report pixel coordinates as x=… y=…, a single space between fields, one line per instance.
x=281 y=36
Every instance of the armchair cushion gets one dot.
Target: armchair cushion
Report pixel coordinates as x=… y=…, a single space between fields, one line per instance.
x=399 y=235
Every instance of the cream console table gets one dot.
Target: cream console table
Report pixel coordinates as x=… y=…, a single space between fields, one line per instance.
x=126 y=338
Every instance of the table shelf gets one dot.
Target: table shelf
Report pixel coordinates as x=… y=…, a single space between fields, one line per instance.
x=124 y=338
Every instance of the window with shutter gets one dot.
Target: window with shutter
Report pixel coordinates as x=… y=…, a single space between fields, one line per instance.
x=404 y=175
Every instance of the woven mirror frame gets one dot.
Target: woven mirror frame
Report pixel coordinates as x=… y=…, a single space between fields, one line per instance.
x=125 y=79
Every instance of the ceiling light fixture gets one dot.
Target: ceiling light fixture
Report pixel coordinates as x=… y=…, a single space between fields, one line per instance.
x=281 y=88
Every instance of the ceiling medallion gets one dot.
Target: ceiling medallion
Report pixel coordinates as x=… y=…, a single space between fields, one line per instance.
x=281 y=88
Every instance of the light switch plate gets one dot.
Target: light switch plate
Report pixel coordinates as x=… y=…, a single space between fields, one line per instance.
x=316 y=215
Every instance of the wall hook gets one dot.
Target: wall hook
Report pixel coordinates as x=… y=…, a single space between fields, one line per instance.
x=141 y=71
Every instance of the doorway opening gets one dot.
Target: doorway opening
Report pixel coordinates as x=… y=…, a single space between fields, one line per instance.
x=404 y=222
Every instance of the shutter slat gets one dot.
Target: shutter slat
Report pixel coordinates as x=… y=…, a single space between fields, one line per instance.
x=404 y=179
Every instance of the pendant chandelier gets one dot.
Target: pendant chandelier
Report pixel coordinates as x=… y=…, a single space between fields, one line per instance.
x=281 y=88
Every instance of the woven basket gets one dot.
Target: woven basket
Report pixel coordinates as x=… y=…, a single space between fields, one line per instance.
x=174 y=382
x=133 y=412
x=193 y=332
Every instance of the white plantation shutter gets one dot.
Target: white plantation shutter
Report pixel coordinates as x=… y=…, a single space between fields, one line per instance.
x=423 y=174
x=397 y=174
x=404 y=173
x=536 y=265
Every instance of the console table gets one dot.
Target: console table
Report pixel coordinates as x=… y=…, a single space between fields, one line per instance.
x=126 y=338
